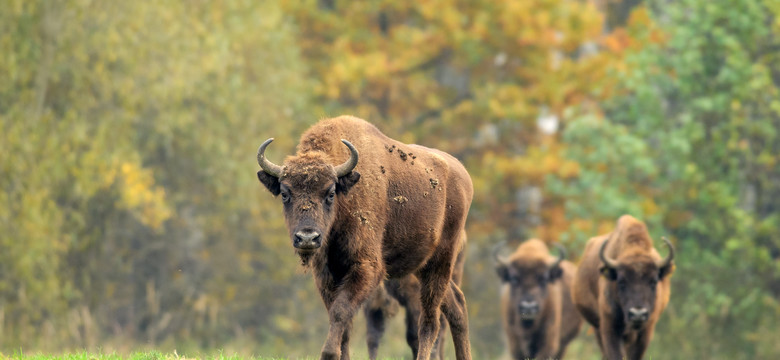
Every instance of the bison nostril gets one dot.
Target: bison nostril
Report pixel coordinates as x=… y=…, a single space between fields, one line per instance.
x=529 y=306
x=638 y=314
x=307 y=239
x=528 y=303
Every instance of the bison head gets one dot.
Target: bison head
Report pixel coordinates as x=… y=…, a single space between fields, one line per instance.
x=528 y=277
x=635 y=277
x=309 y=186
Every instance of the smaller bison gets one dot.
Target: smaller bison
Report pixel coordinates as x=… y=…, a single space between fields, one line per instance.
x=622 y=287
x=539 y=317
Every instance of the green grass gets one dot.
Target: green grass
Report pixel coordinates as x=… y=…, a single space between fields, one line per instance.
x=150 y=355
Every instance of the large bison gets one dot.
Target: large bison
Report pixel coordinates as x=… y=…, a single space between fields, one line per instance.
x=397 y=210
x=538 y=314
x=406 y=292
x=621 y=288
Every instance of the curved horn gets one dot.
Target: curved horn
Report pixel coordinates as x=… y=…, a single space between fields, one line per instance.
x=607 y=261
x=497 y=250
x=269 y=167
x=350 y=164
x=668 y=260
x=561 y=255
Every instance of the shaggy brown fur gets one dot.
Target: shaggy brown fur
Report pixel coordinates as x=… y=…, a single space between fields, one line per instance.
x=401 y=211
x=406 y=292
x=605 y=296
x=532 y=276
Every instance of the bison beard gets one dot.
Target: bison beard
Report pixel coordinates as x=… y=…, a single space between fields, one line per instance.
x=348 y=226
x=621 y=288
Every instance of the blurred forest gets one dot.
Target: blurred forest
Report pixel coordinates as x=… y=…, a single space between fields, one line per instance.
x=131 y=216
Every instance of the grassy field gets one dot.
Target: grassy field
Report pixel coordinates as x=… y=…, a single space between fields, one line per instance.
x=151 y=355
x=393 y=347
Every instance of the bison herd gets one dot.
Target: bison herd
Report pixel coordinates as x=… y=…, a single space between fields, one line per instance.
x=375 y=219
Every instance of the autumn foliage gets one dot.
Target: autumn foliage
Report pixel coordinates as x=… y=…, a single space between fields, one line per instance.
x=130 y=213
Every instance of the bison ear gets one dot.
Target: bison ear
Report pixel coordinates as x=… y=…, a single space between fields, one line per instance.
x=271 y=182
x=347 y=181
x=556 y=272
x=503 y=272
x=608 y=273
x=665 y=271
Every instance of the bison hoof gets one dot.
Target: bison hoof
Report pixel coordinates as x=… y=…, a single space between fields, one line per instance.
x=329 y=356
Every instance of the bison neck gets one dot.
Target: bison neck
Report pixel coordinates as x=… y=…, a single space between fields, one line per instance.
x=340 y=255
x=339 y=260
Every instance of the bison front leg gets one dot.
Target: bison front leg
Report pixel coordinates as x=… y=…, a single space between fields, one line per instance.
x=345 y=340
x=610 y=340
x=637 y=349
x=340 y=312
x=550 y=340
x=351 y=294
x=549 y=349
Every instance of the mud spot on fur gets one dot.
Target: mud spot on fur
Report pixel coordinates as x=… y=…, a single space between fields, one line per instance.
x=382 y=169
x=428 y=170
x=412 y=162
x=425 y=194
x=402 y=154
x=434 y=183
x=400 y=199
x=390 y=148
x=361 y=217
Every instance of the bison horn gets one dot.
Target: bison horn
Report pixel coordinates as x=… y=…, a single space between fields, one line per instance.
x=561 y=255
x=350 y=164
x=496 y=250
x=269 y=167
x=668 y=260
x=607 y=261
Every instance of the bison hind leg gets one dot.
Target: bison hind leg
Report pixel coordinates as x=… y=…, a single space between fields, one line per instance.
x=377 y=310
x=412 y=329
x=454 y=309
x=375 y=328
x=438 y=347
x=434 y=278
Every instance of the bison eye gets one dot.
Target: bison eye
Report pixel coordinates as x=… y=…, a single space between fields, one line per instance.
x=331 y=196
x=285 y=197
